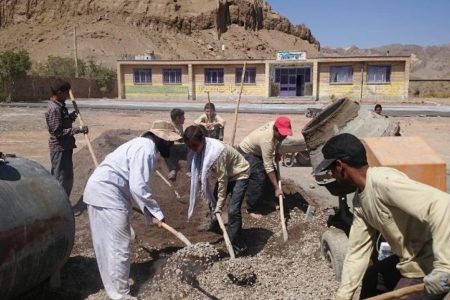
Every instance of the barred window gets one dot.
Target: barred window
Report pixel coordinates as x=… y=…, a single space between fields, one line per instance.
x=213 y=76
x=249 y=77
x=172 y=76
x=142 y=76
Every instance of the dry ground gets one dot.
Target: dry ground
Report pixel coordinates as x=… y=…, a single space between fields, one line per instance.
x=283 y=271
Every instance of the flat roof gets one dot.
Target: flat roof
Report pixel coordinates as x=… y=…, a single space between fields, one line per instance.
x=263 y=60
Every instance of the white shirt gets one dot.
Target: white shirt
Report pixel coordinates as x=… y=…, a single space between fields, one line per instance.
x=124 y=175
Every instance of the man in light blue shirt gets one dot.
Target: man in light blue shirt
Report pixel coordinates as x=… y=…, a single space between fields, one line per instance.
x=123 y=177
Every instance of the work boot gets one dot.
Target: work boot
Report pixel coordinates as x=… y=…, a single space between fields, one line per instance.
x=172 y=175
x=214 y=226
x=239 y=249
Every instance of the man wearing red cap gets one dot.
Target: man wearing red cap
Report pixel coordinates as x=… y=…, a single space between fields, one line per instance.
x=258 y=149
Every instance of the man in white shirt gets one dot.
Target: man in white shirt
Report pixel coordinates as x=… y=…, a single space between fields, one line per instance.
x=411 y=216
x=123 y=177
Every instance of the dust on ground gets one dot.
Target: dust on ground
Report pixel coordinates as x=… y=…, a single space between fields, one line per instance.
x=163 y=269
x=271 y=269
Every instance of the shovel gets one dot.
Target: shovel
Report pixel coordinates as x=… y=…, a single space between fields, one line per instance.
x=178 y=234
x=168 y=184
x=86 y=136
x=169 y=228
x=225 y=236
x=281 y=203
x=400 y=293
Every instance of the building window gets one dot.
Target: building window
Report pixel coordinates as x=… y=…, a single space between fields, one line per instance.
x=142 y=76
x=249 y=77
x=213 y=76
x=341 y=74
x=172 y=76
x=378 y=74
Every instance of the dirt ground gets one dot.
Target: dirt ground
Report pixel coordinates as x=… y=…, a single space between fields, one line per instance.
x=274 y=270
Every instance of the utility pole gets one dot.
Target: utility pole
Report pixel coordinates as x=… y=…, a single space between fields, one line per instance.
x=75 y=50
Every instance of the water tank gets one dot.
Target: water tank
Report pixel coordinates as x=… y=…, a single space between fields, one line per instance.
x=37 y=226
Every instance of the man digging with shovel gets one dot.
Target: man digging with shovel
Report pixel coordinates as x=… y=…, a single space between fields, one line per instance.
x=411 y=216
x=232 y=171
x=124 y=176
x=259 y=148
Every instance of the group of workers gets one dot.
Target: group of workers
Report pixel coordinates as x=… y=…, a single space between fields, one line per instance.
x=412 y=217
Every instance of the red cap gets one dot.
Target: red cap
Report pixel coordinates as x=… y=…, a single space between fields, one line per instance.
x=283 y=124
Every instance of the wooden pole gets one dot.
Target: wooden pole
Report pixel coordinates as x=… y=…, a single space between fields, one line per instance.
x=281 y=204
x=75 y=50
x=225 y=236
x=178 y=234
x=395 y=294
x=168 y=183
x=236 y=112
x=86 y=136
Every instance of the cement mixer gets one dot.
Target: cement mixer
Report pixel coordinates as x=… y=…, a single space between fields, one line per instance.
x=342 y=116
x=37 y=226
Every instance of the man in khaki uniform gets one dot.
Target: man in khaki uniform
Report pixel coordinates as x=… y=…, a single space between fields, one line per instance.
x=232 y=172
x=212 y=122
x=411 y=216
x=258 y=148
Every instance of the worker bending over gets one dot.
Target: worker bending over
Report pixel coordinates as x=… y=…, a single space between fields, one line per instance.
x=411 y=216
x=121 y=178
x=232 y=172
x=259 y=149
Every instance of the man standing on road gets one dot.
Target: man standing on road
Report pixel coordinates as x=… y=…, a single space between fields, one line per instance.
x=62 y=141
x=121 y=178
x=258 y=149
x=411 y=216
x=232 y=172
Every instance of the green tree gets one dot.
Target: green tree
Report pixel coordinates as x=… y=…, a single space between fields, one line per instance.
x=105 y=77
x=13 y=65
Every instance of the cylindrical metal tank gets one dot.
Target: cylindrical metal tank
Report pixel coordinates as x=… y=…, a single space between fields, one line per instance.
x=37 y=226
x=343 y=116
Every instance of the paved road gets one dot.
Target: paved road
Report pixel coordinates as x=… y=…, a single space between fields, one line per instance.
x=390 y=110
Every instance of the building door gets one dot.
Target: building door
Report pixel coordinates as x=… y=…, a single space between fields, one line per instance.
x=300 y=87
x=291 y=81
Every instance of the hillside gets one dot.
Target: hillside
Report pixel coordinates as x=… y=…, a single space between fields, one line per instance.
x=430 y=62
x=172 y=29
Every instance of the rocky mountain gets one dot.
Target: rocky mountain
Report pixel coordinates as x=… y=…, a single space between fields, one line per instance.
x=172 y=29
x=427 y=62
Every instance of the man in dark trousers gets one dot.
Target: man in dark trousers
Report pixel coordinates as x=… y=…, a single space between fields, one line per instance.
x=62 y=141
x=259 y=149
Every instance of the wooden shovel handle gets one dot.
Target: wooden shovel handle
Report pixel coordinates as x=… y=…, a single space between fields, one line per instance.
x=281 y=204
x=395 y=294
x=86 y=136
x=225 y=236
x=178 y=234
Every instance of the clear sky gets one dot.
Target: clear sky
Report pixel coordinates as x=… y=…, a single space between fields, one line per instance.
x=369 y=23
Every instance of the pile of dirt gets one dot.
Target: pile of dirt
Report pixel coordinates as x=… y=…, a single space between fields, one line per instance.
x=175 y=210
x=162 y=269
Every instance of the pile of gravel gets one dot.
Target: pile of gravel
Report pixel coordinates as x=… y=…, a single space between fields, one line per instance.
x=181 y=271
